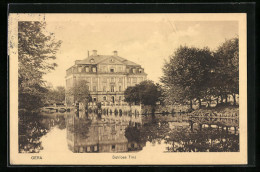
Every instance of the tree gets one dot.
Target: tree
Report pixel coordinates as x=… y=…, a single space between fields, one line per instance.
x=80 y=92
x=55 y=95
x=227 y=69
x=186 y=74
x=146 y=93
x=36 y=49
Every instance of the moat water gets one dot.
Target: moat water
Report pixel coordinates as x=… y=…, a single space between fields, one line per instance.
x=93 y=133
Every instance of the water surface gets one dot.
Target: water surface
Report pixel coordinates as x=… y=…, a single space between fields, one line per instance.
x=93 y=133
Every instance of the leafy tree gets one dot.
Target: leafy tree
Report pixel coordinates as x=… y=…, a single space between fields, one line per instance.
x=227 y=69
x=55 y=95
x=187 y=73
x=36 y=48
x=80 y=92
x=146 y=93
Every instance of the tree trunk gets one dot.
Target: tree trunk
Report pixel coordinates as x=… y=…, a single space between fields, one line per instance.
x=226 y=99
x=190 y=104
x=191 y=126
x=199 y=103
x=221 y=99
x=217 y=101
x=234 y=97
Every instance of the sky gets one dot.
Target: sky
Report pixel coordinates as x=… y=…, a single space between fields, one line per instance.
x=148 y=40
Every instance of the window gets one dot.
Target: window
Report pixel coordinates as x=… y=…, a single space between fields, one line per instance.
x=94 y=88
x=112 y=79
x=127 y=70
x=94 y=99
x=140 y=70
x=129 y=80
x=134 y=70
x=112 y=88
x=113 y=101
x=112 y=70
x=134 y=80
x=88 y=149
x=87 y=69
x=95 y=148
x=120 y=80
x=119 y=98
x=104 y=89
x=79 y=69
x=104 y=98
x=94 y=69
x=92 y=60
x=120 y=88
x=113 y=147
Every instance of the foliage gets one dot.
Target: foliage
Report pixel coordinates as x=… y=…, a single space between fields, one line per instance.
x=187 y=73
x=80 y=92
x=36 y=48
x=226 y=79
x=193 y=74
x=55 y=95
x=146 y=93
x=132 y=134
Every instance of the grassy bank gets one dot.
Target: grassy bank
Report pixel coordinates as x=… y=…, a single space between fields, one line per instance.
x=228 y=111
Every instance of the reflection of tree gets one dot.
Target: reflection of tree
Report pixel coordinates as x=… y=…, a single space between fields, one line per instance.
x=79 y=126
x=132 y=134
x=185 y=139
x=207 y=140
x=155 y=131
x=32 y=127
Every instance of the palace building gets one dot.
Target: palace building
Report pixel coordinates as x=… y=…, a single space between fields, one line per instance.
x=107 y=76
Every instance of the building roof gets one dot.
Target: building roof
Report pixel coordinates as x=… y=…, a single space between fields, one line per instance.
x=99 y=58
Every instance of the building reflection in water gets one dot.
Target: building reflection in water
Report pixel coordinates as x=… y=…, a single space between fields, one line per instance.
x=109 y=132
x=101 y=133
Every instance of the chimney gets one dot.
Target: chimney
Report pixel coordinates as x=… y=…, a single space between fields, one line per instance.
x=94 y=52
x=115 y=53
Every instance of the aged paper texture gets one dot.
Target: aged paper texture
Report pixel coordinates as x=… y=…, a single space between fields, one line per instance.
x=128 y=89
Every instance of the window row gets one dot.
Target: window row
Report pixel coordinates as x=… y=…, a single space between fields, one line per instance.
x=103 y=79
x=112 y=98
x=112 y=88
x=134 y=70
x=112 y=79
x=87 y=69
x=134 y=79
x=111 y=69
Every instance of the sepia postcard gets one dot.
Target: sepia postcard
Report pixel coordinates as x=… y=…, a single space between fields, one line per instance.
x=128 y=89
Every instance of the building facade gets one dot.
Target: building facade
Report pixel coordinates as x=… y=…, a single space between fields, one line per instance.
x=107 y=77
